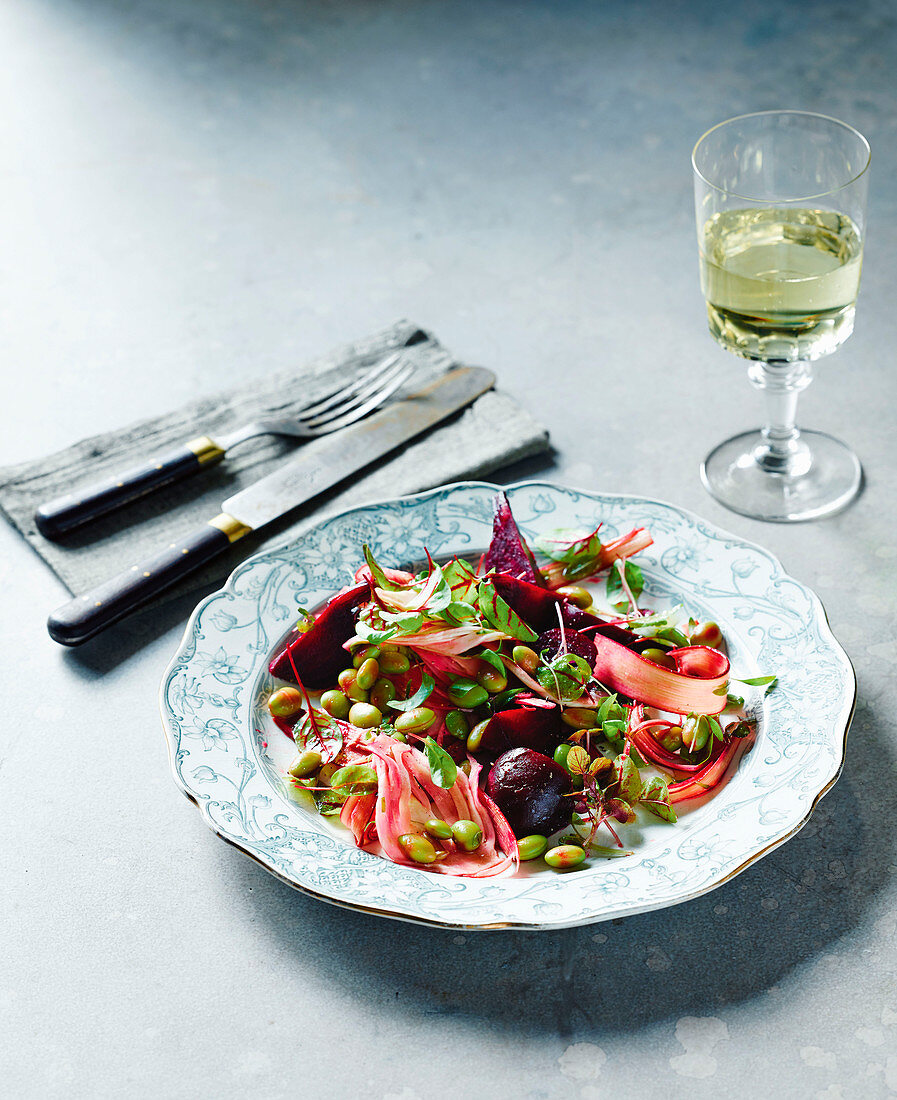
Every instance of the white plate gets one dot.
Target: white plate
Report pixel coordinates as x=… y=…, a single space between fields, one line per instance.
x=229 y=758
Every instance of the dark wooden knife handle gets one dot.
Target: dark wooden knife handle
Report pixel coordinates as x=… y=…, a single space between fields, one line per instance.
x=57 y=517
x=85 y=616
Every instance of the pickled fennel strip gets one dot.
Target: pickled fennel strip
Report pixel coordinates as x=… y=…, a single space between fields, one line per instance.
x=405 y=791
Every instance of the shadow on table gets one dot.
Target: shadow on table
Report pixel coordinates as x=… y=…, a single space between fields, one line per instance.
x=784 y=912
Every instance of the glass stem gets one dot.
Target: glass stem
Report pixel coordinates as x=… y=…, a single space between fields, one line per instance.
x=782 y=450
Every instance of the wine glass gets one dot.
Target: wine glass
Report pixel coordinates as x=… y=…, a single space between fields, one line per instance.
x=780 y=200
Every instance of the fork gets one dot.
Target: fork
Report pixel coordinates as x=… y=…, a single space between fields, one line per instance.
x=339 y=409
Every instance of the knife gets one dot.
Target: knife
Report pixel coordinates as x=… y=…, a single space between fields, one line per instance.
x=296 y=482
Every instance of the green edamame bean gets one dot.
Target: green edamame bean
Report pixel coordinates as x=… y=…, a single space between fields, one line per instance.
x=364 y=716
x=438 y=828
x=396 y=736
x=527 y=658
x=475 y=737
x=658 y=656
x=415 y=721
x=467 y=693
x=671 y=739
x=394 y=660
x=467 y=835
x=457 y=725
x=532 y=846
x=285 y=702
x=382 y=694
x=579 y=718
x=417 y=847
x=561 y=753
x=565 y=855
x=369 y=652
x=708 y=634
x=695 y=734
x=305 y=763
x=577 y=595
x=492 y=680
x=367 y=674
x=348 y=683
x=335 y=703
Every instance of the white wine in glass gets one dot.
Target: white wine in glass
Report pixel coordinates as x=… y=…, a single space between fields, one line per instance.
x=780 y=201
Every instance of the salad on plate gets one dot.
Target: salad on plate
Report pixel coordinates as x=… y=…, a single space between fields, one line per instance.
x=470 y=716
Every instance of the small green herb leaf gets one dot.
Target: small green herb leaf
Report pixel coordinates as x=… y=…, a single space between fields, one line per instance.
x=634 y=579
x=405 y=622
x=427 y=683
x=656 y=798
x=490 y=657
x=628 y=785
x=380 y=578
x=614 y=730
x=374 y=635
x=319 y=730
x=355 y=779
x=500 y=616
x=578 y=760
x=769 y=682
x=461 y=578
x=461 y=610
x=610 y=709
x=442 y=768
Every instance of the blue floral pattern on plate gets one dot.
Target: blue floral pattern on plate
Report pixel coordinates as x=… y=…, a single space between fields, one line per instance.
x=227 y=756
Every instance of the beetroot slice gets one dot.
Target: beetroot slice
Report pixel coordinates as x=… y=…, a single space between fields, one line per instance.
x=319 y=655
x=536 y=728
x=508 y=553
x=535 y=605
x=550 y=644
x=529 y=789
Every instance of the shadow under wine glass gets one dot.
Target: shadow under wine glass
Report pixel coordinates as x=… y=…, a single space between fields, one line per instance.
x=780 y=201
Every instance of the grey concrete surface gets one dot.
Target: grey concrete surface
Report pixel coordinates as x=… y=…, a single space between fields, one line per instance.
x=196 y=193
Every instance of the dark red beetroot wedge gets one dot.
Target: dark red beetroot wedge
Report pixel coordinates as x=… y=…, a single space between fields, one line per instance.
x=529 y=789
x=538 y=728
x=508 y=553
x=319 y=655
x=551 y=642
x=535 y=605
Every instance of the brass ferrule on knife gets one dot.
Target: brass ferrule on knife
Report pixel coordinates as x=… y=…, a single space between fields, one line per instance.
x=233 y=528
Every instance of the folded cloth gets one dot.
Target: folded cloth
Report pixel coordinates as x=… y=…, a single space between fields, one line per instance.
x=491 y=433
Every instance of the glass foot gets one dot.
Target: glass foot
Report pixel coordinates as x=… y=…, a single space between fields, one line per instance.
x=827 y=480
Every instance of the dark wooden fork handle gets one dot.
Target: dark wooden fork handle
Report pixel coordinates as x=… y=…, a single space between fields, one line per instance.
x=57 y=517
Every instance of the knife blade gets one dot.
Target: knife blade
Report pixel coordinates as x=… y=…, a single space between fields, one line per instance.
x=296 y=482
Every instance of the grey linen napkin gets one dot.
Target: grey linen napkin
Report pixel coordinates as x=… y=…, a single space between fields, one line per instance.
x=491 y=433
